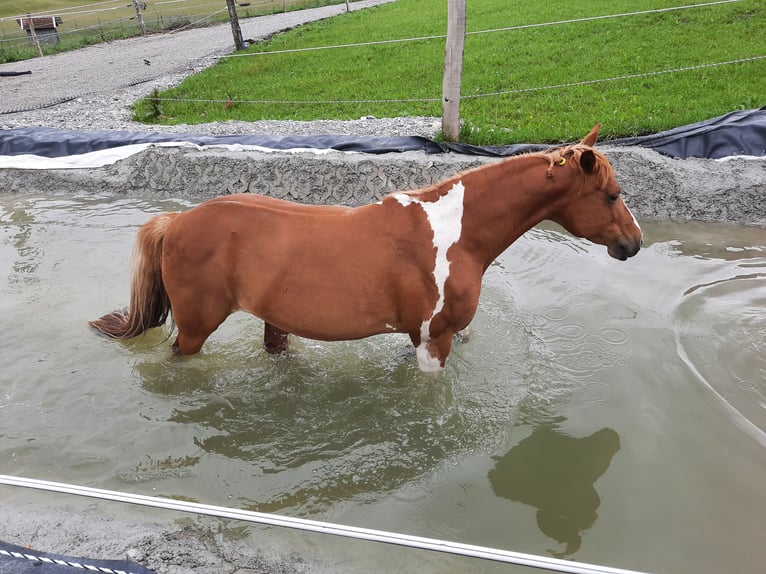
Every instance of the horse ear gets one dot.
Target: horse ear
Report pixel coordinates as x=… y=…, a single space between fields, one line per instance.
x=588 y=161
x=592 y=137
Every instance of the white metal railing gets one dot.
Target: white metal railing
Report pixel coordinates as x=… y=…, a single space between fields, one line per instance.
x=443 y=546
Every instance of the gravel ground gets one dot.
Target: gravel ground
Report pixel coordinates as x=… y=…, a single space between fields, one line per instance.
x=93 y=88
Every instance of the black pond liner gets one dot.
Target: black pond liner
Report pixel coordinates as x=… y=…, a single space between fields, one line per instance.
x=20 y=560
x=736 y=133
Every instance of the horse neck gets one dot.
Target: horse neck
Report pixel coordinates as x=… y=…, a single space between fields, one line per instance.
x=506 y=199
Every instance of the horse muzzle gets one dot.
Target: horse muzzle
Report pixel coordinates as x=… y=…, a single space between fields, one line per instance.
x=622 y=249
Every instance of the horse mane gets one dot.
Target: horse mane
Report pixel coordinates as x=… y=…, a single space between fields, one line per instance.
x=603 y=169
x=570 y=153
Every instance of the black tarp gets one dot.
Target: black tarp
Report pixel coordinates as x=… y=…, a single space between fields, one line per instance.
x=51 y=142
x=737 y=133
x=20 y=560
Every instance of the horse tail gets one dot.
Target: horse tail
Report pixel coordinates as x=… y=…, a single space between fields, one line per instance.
x=149 y=302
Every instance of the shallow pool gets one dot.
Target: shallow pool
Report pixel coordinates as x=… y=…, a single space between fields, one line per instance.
x=606 y=412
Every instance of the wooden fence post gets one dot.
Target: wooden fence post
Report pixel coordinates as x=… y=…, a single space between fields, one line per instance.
x=453 y=69
x=139 y=16
x=33 y=34
x=236 y=31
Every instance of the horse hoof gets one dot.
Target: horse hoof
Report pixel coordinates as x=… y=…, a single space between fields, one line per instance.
x=275 y=349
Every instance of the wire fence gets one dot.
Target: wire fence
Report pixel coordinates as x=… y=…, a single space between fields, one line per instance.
x=230 y=101
x=77 y=26
x=494 y=30
x=438 y=98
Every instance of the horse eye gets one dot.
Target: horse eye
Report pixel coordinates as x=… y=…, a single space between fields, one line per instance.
x=614 y=197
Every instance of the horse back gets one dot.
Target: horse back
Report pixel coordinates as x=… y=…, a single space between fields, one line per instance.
x=266 y=202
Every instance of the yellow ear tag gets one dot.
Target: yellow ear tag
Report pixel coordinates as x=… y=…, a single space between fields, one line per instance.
x=562 y=161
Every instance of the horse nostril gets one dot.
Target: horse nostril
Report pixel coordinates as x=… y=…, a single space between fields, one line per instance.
x=626 y=248
x=624 y=253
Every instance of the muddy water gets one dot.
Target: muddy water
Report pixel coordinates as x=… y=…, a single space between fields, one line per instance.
x=601 y=411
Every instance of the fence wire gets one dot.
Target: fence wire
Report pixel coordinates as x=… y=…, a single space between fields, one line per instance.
x=465 y=97
x=120 y=19
x=477 y=32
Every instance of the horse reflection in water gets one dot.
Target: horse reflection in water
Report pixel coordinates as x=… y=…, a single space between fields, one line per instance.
x=411 y=263
x=556 y=473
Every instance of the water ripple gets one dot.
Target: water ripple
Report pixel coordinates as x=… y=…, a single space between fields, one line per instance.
x=720 y=334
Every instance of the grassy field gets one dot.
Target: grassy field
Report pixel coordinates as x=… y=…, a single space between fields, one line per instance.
x=504 y=71
x=84 y=23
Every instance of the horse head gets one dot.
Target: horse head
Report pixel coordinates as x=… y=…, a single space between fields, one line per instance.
x=593 y=208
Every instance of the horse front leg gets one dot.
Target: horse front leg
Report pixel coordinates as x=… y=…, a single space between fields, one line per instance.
x=463 y=334
x=274 y=340
x=432 y=353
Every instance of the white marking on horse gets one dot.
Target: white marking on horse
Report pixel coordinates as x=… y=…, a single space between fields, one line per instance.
x=635 y=221
x=445 y=216
x=427 y=362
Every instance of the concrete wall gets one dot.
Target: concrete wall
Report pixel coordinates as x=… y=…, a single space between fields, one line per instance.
x=654 y=186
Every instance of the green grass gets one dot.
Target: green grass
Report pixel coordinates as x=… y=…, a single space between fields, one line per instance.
x=506 y=61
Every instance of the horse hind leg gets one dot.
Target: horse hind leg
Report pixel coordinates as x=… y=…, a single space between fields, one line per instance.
x=189 y=344
x=195 y=325
x=274 y=339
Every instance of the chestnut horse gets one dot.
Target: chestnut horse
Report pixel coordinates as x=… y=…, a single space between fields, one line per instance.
x=410 y=263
